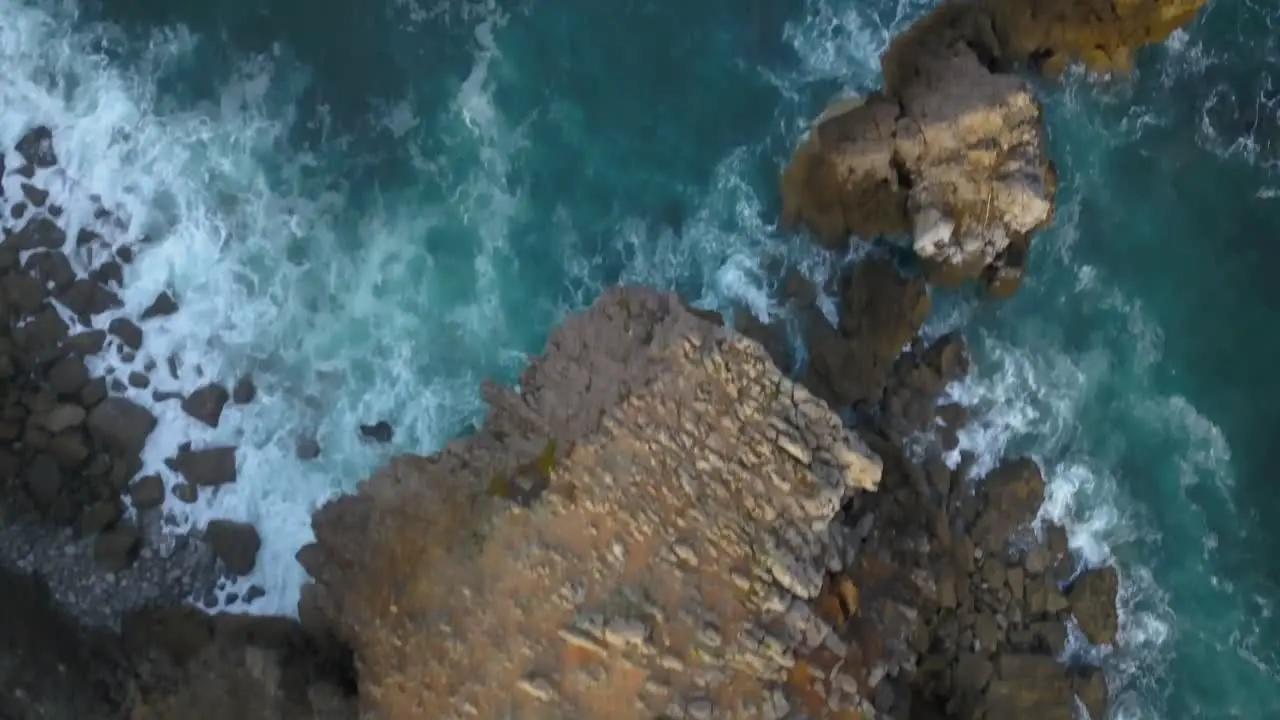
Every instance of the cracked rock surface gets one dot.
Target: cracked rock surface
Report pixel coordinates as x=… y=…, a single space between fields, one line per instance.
x=638 y=532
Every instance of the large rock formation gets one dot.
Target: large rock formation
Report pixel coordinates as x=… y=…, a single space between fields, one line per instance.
x=640 y=530
x=952 y=151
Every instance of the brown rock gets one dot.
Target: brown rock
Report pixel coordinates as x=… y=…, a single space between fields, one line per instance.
x=88 y=342
x=1030 y=686
x=70 y=449
x=108 y=274
x=1091 y=688
x=1093 y=602
x=94 y=392
x=128 y=332
x=147 y=492
x=34 y=195
x=186 y=492
x=68 y=376
x=209 y=467
x=206 y=403
x=63 y=417
x=24 y=292
x=121 y=425
x=236 y=544
x=139 y=380
x=635 y=367
x=1012 y=495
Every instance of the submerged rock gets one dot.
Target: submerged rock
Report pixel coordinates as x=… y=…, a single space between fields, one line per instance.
x=681 y=492
x=379 y=432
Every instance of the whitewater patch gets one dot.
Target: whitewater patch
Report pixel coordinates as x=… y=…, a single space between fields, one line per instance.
x=264 y=274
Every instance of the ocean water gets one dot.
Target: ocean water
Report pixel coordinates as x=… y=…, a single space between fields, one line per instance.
x=372 y=207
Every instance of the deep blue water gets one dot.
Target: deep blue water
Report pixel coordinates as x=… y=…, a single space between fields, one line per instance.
x=373 y=207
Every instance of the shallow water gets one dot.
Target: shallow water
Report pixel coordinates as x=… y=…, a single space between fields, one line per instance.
x=372 y=209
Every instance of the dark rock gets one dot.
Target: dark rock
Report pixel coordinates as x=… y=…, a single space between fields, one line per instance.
x=24 y=292
x=209 y=467
x=1093 y=601
x=108 y=273
x=121 y=425
x=164 y=395
x=128 y=332
x=308 y=448
x=124 y=254
x=87 y=298
x=245 y=391
x=87 y=237
x=89 y=342
x=37 y=233
x=70 y=449
x=36 y=147
x=99 y=516
x=147 y=492
x=43 y=333
x=34 y=195
x=63 y=417
x=52 y=269
x=235 y=544
x=68 y=376
x=380 y=432
x=162 y=306
x=139 y=380
x=206 y=403
x=116 y=549
x=18 y=210
x=123 y=471
x=43 y=480
x=93 y=393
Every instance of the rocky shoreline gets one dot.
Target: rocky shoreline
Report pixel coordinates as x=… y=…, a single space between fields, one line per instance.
x=659 y=523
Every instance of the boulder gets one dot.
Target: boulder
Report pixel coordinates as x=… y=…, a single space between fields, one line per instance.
x=163 y=306
x=379 y=432
x=209 y=467
x=121 y=425
x=631 y=423
x=206 y=403
x=236 y=544
x=117 y=548
x=127 y=331
x=1093 y=602
x=951 y=153
x=147 y=492
x=36 y=147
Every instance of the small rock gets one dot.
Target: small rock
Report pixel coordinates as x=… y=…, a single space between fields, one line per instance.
x=36 y=147
x=209 y=467
x=34 y=195
x=162 y=306
x=89 y=342
x=108 y=273
x=186 y=492
x=206 y=403
x=68 y=376
x=147 y=492
x=245 y=391
x=139 y=380
x=308 y=448
x=63 y=417
x=236 y=544
x=128 y=332
x=380 y=432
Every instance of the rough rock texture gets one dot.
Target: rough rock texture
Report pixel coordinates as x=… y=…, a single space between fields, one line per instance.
x=641 y=530
x=952 y=152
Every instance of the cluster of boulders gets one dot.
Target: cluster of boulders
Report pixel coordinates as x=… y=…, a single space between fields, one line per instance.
x=71 y=440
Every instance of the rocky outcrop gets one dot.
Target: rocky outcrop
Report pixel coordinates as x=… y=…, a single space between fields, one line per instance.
x=951 y=153
x=640 y=530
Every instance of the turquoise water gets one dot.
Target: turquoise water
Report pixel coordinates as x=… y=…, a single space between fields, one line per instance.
x=372 y=207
